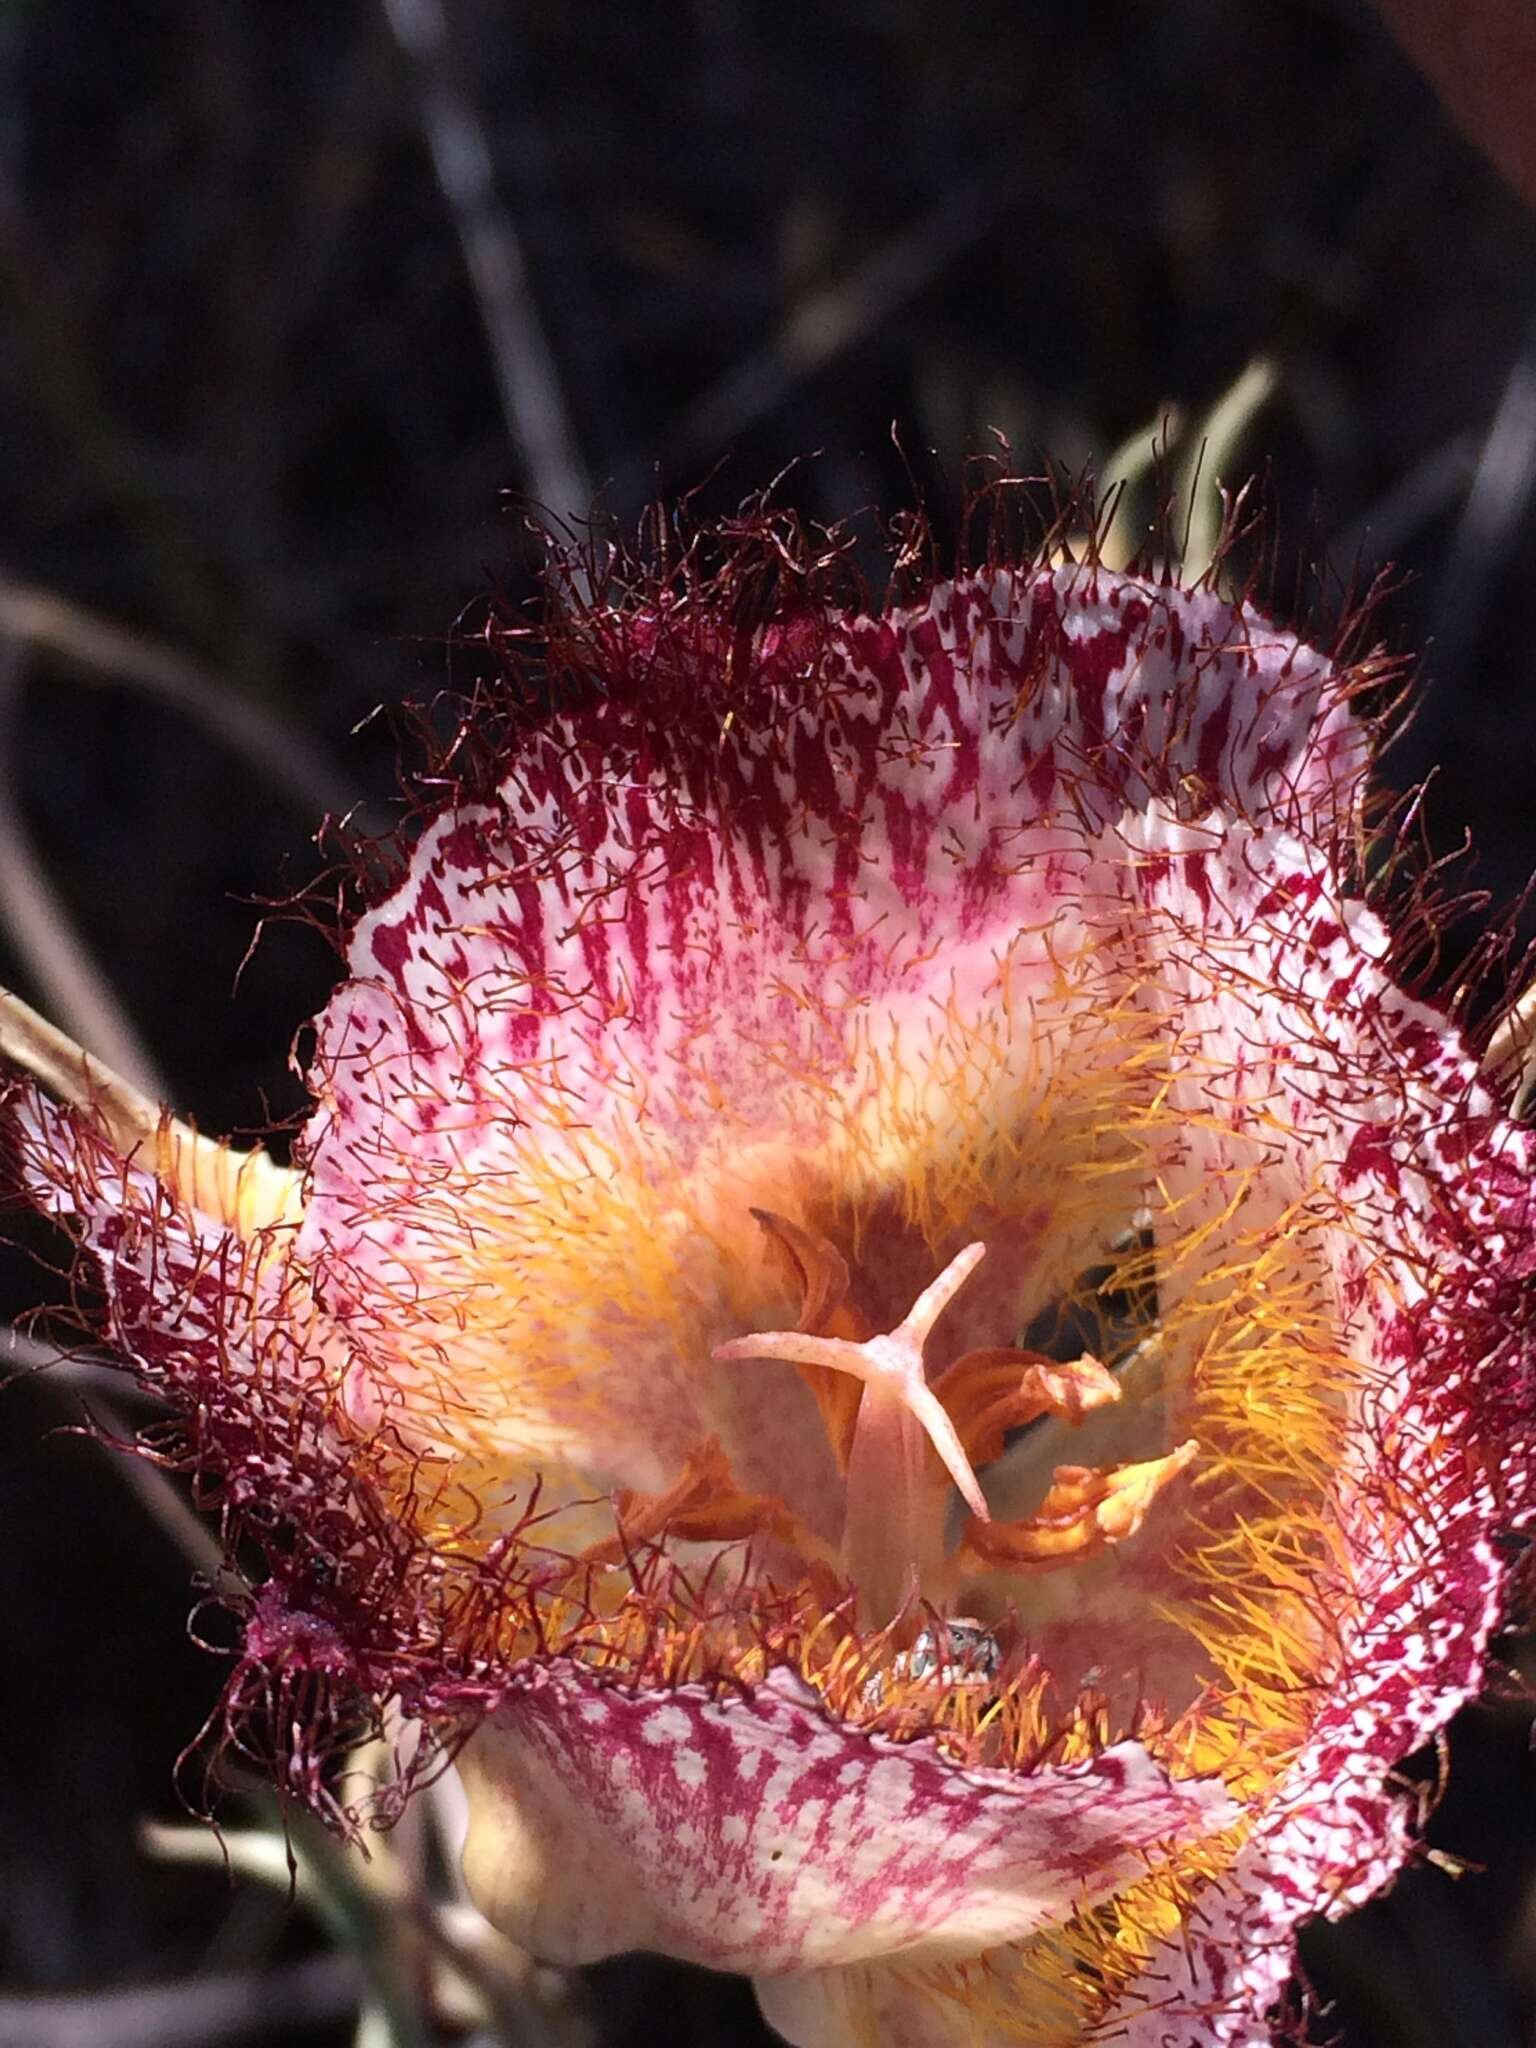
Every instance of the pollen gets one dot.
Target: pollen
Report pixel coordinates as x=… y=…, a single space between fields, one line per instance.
x=1084 y=1511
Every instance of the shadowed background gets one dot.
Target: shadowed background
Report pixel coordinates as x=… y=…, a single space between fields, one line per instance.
x=292 y=298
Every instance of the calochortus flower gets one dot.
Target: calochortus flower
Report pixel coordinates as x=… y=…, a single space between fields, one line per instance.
x=888 y=1323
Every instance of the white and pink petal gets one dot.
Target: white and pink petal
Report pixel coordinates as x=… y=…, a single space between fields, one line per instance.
x=752 y=1831
x=709 y=945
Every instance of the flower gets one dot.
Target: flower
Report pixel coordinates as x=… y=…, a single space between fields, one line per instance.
x=889 y=1325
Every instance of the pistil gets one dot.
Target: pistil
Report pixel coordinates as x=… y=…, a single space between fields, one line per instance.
x=893 y=1529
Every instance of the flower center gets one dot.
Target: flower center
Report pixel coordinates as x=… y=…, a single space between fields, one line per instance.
x=893 y=1528
x=910 y=1436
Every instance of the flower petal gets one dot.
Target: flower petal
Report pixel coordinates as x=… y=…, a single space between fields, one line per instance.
x=758 y=1834
x=878 y=931
x=1416 y=1206
x=808 y=941
x=179 y=1279
x=872 y=2002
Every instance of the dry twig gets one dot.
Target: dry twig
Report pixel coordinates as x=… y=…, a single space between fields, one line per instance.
x=94 y=646
x=42 y=930
x=527 y=376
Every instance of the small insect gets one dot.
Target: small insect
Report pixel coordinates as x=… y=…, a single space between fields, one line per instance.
x=962 y=1652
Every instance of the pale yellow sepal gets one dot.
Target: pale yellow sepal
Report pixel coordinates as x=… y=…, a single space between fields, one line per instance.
x=1210 y=445
x=248 y=1191
x=1512 y=1050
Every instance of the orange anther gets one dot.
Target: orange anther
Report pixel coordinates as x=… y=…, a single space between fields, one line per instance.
x=703 y=1505
x=825 y=1312
x=990 y=1392
x=1084 y=1511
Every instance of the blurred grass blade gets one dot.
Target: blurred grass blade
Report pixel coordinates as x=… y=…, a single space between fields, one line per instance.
x=527 y=374
x=94 y=646
x=42 y=931
x=1208 y=463
x=1126 y=470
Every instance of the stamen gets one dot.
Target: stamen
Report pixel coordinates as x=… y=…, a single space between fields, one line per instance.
x=821 y=1266
x=705 y=1504
x=826 y=1311
x=893 y=1527
x=1084 y=1512
x=987 y=1393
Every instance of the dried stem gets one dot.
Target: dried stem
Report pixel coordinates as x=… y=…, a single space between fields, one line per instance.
x=43 y=932
x=50 y=624
x=193 y=2013
x=527 y=377
x=829 y=322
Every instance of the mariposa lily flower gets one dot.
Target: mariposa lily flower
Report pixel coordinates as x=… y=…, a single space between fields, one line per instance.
x=889 y=1325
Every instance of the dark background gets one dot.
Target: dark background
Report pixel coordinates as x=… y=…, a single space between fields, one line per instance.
x=292 y=297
